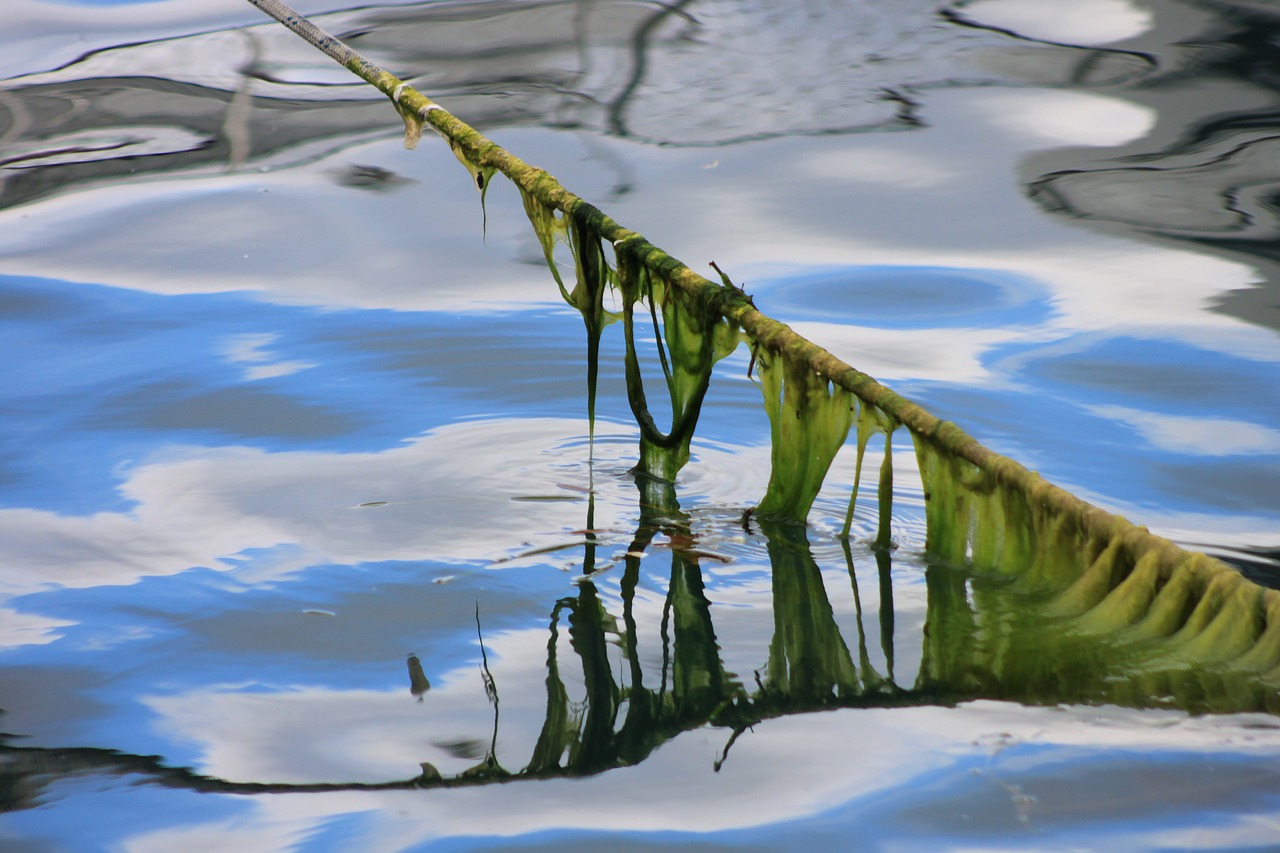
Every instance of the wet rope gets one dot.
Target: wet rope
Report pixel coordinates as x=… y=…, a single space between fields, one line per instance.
x=1031 y=525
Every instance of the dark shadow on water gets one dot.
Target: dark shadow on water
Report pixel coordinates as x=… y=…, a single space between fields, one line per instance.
x=1207 y=176
x=668 y=74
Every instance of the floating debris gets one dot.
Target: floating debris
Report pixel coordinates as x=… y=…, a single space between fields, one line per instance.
x=418 y=683
x=362 y=177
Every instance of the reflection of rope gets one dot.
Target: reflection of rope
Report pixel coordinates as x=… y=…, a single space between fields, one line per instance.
x=490 y=686
x=639 y=45
x=327 y=44
x=20 y=120
x=724 y=753
x=236 y=125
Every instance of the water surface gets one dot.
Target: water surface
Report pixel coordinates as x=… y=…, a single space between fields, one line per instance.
x=279 y=415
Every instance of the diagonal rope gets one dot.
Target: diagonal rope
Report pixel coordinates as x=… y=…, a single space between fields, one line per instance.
x=982 y=508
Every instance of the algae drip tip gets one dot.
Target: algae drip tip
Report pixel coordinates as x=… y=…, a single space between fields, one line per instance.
x=418 y=684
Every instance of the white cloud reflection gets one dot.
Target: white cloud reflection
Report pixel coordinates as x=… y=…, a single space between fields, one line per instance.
x=879 y=165
x=252 y=350
x=782 y=770
x=473 y=492
x=1068 y=118
x=326 y=245
x=445 y=493
x=1084 y=22
x=1195 y=436
x=27 y=629
x=940 y=355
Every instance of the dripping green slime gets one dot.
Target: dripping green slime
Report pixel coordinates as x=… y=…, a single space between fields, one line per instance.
x=1161 y=609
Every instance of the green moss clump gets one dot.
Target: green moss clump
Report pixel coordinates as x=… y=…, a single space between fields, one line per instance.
x=809 y=419
x=690 y=337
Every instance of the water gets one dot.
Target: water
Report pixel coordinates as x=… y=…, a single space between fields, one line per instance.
x=278 y=417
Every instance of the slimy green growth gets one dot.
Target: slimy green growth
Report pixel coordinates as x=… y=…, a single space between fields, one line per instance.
x=591 y=278
x=1118 y=595
x=690 y=338
x=809 y=419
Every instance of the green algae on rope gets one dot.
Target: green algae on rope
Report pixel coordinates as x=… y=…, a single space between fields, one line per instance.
x=982 y=509
x=809 y=419
x=592 y=275
x=689 y=337
x=694 y=337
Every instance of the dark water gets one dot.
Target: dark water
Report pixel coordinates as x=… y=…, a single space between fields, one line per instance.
x=278 y=416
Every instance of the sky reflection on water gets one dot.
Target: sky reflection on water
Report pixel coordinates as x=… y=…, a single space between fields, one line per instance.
x=989 y=775
x=275 y=430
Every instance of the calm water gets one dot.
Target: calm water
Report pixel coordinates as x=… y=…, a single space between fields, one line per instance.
x=297 y=501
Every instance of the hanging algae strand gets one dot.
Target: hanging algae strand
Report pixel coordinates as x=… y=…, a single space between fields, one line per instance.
x=808 y=421
x=592 y=276
x=870 y=421
x=695 y=339
x=688 y=338
x=1006 y=516
x=480 y=175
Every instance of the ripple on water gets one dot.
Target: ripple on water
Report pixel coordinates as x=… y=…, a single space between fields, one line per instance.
x=907 y=297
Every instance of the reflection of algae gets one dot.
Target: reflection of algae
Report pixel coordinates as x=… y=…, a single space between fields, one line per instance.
x=808 y=666
x=418 y=683
x=1155 y=603
x=1141 y=601
x=809 y=663
x=984 y=637
x=987 y=638
x=587 y=737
